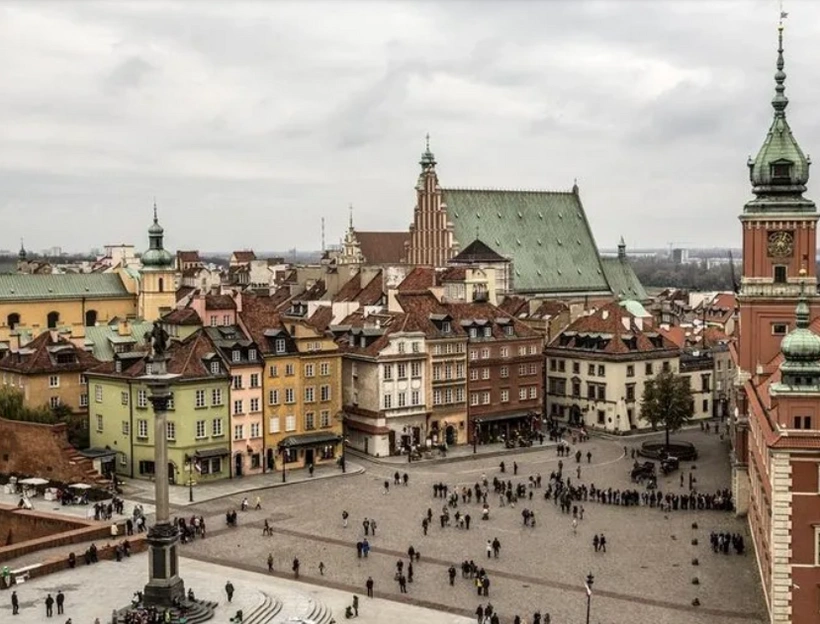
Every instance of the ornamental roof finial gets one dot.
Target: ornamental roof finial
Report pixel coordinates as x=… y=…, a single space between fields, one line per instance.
x=780 y=101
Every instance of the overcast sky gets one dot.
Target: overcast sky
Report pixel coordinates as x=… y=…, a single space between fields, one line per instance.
x=251 y=121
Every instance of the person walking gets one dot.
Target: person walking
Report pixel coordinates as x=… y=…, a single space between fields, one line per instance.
x=515 y=468
x=49 y=606
x=60 y=602
x=295 y=567
x=355 y=605
x=258 y=503
x=369 y=586
x=322 y=570
x=489 y=549
x=15 y=603
x=270 y=562
x=345 y=516
x=229 y=590
x=603 y=542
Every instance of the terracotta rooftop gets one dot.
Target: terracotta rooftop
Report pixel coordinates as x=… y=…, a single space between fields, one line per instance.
x=453 y=274
x=321 y=318
x=383 y=247
x=188 y=257
x=611 y=329
x=316 y=292
x=182 y=316
x=219 y=302
x=46 y=354
x=420 y=279
x=244 y=256
x=370 y=294
x=260 y=314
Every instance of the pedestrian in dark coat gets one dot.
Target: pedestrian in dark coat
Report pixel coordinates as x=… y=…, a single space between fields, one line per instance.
x=229 y=590
x=369 y=585
x=15 y=603
x=60 y=602
x=49 y=606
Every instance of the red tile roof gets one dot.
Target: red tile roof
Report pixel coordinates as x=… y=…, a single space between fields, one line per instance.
x=321 y=318
x=186 y=359
x=514 y=305
x=675 y=334
x=371 y=294
x=611 y=329
x=453 y=274
x=182 y=316
x=314 y=293
x=420 y=279
x=383 y=247
x=188 y=257
x=244 y=256
x=40 y=356
x=260 y=313
x=350 y=289
x=219 y=302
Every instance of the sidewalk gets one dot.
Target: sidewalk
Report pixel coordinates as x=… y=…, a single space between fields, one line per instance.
x=463 y=452
x=142 y=490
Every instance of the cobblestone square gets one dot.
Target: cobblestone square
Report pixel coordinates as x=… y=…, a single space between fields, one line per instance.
x=645 y=575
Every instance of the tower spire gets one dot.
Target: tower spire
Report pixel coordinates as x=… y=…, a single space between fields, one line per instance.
x=350 y=216
x=427 y=157
x=780 y=101
x=156 y=220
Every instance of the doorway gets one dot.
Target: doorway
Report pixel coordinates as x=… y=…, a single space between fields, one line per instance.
x=308 y=457
x=450 y=435
x=238 y=465
x=172 y=473
x=271 y=464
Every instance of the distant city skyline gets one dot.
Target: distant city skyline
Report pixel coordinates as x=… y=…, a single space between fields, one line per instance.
x=251 y=122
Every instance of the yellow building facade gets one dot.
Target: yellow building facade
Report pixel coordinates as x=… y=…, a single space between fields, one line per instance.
x=301 y=386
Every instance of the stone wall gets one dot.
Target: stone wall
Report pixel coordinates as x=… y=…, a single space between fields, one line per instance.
x=20 y=526
x=40 y=450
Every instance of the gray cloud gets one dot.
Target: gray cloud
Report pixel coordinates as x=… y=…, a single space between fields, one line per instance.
x=250 y=121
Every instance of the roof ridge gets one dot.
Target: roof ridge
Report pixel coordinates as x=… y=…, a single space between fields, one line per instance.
x=195 y=337
x=506 y=190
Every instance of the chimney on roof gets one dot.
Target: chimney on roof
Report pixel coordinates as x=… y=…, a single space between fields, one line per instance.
x=53 y=335
x=123 y=327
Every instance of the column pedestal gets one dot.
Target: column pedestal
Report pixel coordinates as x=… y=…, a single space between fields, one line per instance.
x=164 y=586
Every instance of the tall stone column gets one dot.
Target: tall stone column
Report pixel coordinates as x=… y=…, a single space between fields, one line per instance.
x=164 y=584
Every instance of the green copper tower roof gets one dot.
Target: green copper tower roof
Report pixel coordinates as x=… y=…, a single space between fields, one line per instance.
x=427 y=157
x=780 y=171
x=156 y=257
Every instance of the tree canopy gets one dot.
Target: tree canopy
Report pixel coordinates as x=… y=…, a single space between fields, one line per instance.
x=13 y=407
x=667 y=402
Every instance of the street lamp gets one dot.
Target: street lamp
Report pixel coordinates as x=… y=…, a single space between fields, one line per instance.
x=590 y=578
x=190 y=460
x=476 y=425
x=284 y=450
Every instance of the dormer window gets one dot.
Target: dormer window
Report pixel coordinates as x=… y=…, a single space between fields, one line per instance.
x=280 y=345
x=473 y=332
x=488 y=332
x=445 y=327
x=508 y=330
x=118 y=366
x=214 y=368
x=236 y=355
x=781 y=171
x=252 y=354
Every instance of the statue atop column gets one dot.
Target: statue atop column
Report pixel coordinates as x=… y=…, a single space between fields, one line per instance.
x=157 y=339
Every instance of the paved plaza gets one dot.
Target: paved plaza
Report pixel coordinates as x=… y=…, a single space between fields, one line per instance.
x=646 y=575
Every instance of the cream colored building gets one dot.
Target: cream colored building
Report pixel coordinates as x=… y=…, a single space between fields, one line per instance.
x=598 y=366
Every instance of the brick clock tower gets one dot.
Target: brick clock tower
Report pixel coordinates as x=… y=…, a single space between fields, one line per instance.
x=779 y=238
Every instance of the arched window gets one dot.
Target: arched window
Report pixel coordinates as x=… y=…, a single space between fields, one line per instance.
x=161 y=284
x=90 y=318
x=13 y=320
x=53 y=319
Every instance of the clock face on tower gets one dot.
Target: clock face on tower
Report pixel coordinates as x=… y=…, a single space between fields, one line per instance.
x=781 y=244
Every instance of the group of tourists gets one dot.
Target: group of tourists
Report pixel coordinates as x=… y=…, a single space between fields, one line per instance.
x=721 y=542
x=190 y=529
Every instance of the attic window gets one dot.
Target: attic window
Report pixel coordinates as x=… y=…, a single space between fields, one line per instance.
x=236 y=355
x=488 y=332
x=781 y=171
x=118 y=366
x=473 y=332
x=508 y=330
x=445 y=327
x=280 y=345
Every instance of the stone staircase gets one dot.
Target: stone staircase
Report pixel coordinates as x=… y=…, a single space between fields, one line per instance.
x=75 y=458
x=196 y=611
x=268 y=609
x=300 y=608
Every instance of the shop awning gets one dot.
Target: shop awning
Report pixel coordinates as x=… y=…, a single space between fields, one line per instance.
x=310 y=439
x=215 y=452
x=507 y=416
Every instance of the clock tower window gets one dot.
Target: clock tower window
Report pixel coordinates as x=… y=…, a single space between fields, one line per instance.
x=781 y=171
x=779 y=274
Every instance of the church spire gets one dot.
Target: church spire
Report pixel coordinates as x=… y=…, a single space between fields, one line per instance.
x=22 y=254
x=427 y=157
x=780 y=101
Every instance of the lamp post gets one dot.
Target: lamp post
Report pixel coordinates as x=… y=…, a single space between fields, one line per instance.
x=344 y=454
x=590 y=578
x=476 y=425
x=190 y=460
x=284 y=479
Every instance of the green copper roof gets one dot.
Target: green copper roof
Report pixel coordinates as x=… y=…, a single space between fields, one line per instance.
x=780 y=171
x=622 y=279
x=19 y=287
x=156 y=257
x=545 y=233
x=801 y=345
x=102 y=338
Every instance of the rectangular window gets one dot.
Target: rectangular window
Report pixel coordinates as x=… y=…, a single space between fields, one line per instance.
x=504 y=352
x=273 y=423
x=485 y=353
x=216 y=396
x=53 y=381
x=534 y=392
x=273 y=397
x=238 y=407
x=98 y=393
x=324 y=393
x=126 y=427
x=602 y=392
x=505 y=396
x=310 y=370
x=279 y=345
x=324 y=369
x=534 y=368
x=522 y=394
x=437 y=397
x=273 y=370
x=254 y=405
x=522 y=369
x=252 y=355
x=459 y=395
x=601 y=417
x=460 y=370
x=54 y=402
x=255 y=430
x=402 y=399
x=601 y=370
x=415 y=370
x=170 y=400
x=214 y=320
x=214 y=368
x=170 y=431
x=236 y=382
x=705 y=383
x=236 y=355
x=415 y=397
x=124 y=398
x=522 y=350
x=290 y=423
x=310 y=394
x=448 y=396
x=290 y=396
x=485 y=398
x=576 y=368
x=401 y=347
x=473 y=374
x=505 y=372
x=388 y=401
x=238 y=432
x=324 y=418
x=630 y=392
x=705 y=406
x=388 y=371
x=591 y=391
x=665 y=367
x=591 y=370
x=254 y=380
x=473 y=354
x=561 y=366
x=402 y=371
x=437 y=372
x=83 y=380
x=289 y=370
x=199 y=399
x=310 y=421
x=780 y=329
x=630 y=370
x=84 y=400
x=437 y=349
x=576 y=389
x=216 y=427
x=474 y=398
x=142 y=399
x=485 y=373
x=142 y=428
x=780 y=274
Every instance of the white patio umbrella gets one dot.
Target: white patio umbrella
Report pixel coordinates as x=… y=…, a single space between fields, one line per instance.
x=80 y=486
x=35 y=481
